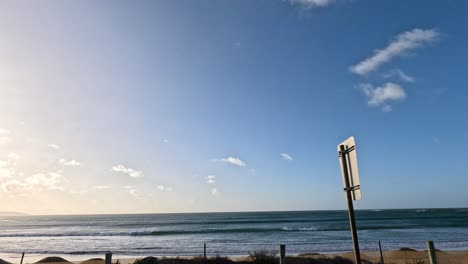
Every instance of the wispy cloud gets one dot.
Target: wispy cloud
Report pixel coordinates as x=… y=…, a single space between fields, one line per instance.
x=72 y=163
x=399 y=74
x=214 y=191
x=311 y=3
x=53 y=146
x=233 y=161
x=13 y=187
x=164 y=188
x=286 y=156
x=130 y=172
x=399 y=45
x=132 y=191
x=102 y=187
x=48 y=181
x=381 y=96
x=8 y=167
x=211 y=179
x=13 y=181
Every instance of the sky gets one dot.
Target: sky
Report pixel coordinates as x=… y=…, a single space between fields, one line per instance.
x=200 y=106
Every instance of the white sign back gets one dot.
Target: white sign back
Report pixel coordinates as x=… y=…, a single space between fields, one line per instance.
x=351 y=161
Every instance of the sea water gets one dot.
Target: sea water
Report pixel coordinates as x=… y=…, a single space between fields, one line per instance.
x=230 y=234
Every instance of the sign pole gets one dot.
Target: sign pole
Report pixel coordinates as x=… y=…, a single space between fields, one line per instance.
x=352 y=221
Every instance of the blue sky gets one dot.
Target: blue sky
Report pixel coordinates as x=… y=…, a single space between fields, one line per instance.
x=176 y=106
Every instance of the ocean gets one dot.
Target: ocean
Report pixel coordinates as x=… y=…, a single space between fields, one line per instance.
x=229 y=234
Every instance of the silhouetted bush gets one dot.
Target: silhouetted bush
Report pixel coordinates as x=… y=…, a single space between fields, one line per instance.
x=53 y=260
x=93 y=261
x=264 y=256
x=335 y=260
x=213 y=260
x=406 y=249
x=147 y=260
x=258 y=257
x=4 y=262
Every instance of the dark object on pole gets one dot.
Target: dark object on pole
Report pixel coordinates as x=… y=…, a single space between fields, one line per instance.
x=108 y=259
x=22 y=257
x=381 y=255
x=204 y=251
x=348 y=189
x=282 y=254
x=432 y=252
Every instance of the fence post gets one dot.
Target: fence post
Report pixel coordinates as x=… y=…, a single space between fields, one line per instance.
x=381 y=255
x=432 y=252
x=204 y=251
x=22 y=257
x=282 y=254
x=108 y=258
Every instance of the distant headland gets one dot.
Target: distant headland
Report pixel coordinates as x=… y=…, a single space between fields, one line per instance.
x=12 y=214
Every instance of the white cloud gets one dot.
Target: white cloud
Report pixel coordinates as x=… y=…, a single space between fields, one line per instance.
x=399 y=74
x=402 y=43
x=14 y=182
x=72 y=163
x=53 y=146
x=165 y=140
x=102 y=187
x=211 y=179
x=387 y=108
x=214 y=191
x=14 y=186
x=4 y=131
x=233 y=161
x=132 y=191
x=49 y=181
x=311 y=3
x=8 y=167
x=380 y=96
x=164 y=188
x=286 y=156
x=130 y=172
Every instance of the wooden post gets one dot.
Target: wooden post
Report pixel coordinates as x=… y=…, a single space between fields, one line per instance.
x=381 y=255
x=22 y=257
x=349 y=199
x=282 y=254
x=204 y=251
x=108 y=258
x=432 y=252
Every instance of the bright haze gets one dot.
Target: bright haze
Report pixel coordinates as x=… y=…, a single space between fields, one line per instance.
x=190 y=106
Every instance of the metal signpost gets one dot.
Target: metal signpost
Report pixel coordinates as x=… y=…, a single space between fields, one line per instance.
x=352 y=188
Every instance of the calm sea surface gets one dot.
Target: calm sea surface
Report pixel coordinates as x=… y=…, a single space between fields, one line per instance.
x=230 y=233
